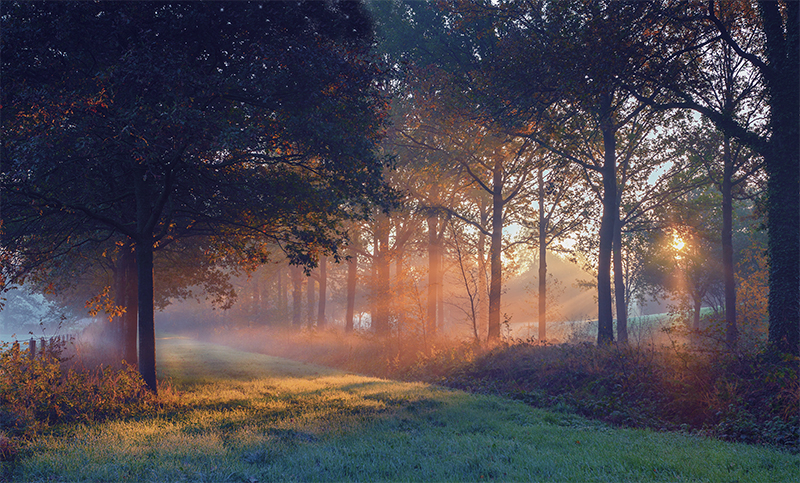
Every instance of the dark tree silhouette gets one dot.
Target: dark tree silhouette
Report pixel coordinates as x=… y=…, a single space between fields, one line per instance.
x=237 y=122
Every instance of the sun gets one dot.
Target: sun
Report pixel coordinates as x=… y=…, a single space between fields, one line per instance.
x=677 y=242
x=678 y=245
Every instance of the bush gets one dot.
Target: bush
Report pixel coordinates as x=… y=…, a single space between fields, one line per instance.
x=39 y=393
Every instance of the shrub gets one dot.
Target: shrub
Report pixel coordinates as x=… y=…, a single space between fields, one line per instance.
x=39 y=393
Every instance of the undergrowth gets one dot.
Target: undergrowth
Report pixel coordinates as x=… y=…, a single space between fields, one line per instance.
x=37 y=394
x=746 y=397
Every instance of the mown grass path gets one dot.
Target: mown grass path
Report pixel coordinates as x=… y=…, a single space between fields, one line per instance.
x=255 y=418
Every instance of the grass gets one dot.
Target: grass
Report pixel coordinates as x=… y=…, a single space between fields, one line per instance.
x=249 y=417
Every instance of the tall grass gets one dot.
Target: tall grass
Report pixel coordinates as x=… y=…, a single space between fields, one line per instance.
x=250 y=417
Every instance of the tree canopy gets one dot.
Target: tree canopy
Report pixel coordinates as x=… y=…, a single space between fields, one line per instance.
x=238 y=122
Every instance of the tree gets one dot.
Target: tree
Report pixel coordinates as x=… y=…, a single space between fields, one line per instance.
x=239 y=122
x=696 y=27
x=561 y=209
x=551 y=69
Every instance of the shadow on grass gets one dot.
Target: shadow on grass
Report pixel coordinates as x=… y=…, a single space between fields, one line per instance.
x=260 y=418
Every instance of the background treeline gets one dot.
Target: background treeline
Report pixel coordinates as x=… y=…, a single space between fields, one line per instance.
x=391 y=166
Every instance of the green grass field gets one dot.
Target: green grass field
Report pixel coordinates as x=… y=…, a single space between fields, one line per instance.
x=250 y=417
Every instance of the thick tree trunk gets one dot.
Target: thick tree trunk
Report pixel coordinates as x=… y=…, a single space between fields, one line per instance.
x=542 y=258
x=433 y=272
x=126 y=295
x=352 y=279
x=147 y=333
x=297 y=294
x=783 y=168
x=605 y=325
x=495 y=288
x=731 y=331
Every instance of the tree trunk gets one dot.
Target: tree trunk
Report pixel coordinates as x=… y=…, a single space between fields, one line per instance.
x=283 y=295
x=783 y=168
x=381 y=319
x=605 y=325
x=127 y=295
x=400 y=285
x=433 y=272
x=542 y=258
x=483 y=282
x=495 y=253
x=619 y=285
x=310 y=301
x=323 y=290
x=731 y=331
x=352 y=278
x=440 y=319
x=698 y=305
x=147 y=333
x=297 y=294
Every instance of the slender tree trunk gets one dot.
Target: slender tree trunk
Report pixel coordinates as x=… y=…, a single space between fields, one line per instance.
x=310 y=301
x=483 y=282
x=297 y=294
x=542 y=257
x=698 y=305
x=400 y=296
x=127 y=295
x=382 y=262
x=440 y=318
x=281 y=288
x=495 y=288
x=352 y=279
x=605 y=329
x=323 y=291
x=619 y=285
x=732 y=332
x=433 y=272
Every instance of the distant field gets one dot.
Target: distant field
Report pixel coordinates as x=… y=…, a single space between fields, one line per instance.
x=252 y=417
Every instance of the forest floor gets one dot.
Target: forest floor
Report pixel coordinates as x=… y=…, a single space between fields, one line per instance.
x=250 y=417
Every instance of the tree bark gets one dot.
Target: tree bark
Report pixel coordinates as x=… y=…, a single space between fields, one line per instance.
x=323 y=290
x=605 y=325
x=483 y=282
x=381 y=319
x=433 y=272
x=400 y=285
x=126 y=295
x=698 y=306
x=297 y=294
x=783 y=167
x=542 y=258
x=495 y=252
x=310 y=301
x=731 y=331
x=619 y=284
x=352 y=278
x=147 y=333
